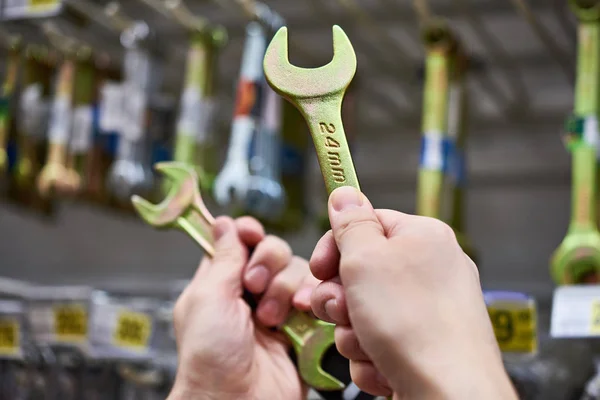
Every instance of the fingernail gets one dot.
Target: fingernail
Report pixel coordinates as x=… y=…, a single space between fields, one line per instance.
x=257 y=278
x=270 y=308
x=346 y=197
x=220 y=228
x=331 y=308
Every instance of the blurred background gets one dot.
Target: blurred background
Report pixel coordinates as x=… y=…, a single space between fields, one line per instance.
x=460 y=109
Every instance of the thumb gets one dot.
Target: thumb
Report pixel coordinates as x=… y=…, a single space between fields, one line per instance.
x=353 y=220
x=230 y=255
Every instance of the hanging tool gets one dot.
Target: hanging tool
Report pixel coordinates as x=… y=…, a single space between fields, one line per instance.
x=105 y=126
x=130 y=172
x=33 y=112
x=184 y=209
x=440 y=44
x=231 y=184
x=193 y=143
x=457 y=135
x=31 y=128
x=82 y=122
x=577 y=259
x=13 y=64
x=266 y=196
x=318 y=94
x=54 y=172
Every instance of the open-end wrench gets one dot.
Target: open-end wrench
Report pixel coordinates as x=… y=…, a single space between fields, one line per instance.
x=312 y=339
x=82 y=124
x=54 y=173
x=6 y=95
x=457 y=133
x=266 y=196
x=231 y=184
x=577 y=259
x=131 y=173
x=193 y=142
x=318 y=94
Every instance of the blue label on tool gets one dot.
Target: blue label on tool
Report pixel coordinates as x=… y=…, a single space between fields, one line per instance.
x=11 y=152
x=435 y=151
x=108 y=141
x=497 y=295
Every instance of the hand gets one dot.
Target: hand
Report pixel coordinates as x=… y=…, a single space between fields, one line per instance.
x=226 y=352
x=408 y=305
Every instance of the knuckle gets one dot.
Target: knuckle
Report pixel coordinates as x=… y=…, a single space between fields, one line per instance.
x=348 y=226
x=440 y=230
x=283 y=285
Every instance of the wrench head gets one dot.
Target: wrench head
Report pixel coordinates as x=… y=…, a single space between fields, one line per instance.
x=183 y=194
x=294 y=82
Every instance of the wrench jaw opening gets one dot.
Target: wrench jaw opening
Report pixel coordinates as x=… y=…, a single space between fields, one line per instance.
x=295 y=83
x=577 y=260
x=586 y=10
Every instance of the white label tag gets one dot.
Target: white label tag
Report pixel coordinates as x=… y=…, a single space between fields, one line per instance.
x=135 y=113
x=433 y=151
x=32 y=110
x=590 y=130
x=119 y=329
x=190 y=115
x=60 y=121
x=111 y=107
x=14 y=9
x=208 y=111
x=82 y=129
x=59 y=322
x=576 y=312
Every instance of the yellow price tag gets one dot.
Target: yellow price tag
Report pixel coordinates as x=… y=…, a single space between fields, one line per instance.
x=9 y=337
x=42 y=5
x=515 y=326
x=70 y=323
x=133 y=330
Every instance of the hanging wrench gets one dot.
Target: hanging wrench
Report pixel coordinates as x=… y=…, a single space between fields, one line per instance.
x=577 y=259
x=266 y=195
x=6 y=95
x=54 y=173
x=184 y=209
x=318 y=94
x=130 y=172
x=193 y=143
x=232 y=182
x=457 y=117
x=82 y=122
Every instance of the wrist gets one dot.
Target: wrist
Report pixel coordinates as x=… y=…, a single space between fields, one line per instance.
x=192 y=391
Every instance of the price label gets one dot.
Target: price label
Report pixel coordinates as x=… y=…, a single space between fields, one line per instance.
x=81 y=139
x=135 y=109
x=9 y=337
x=70 y=323
x=60 y=120
x=133 y=330
x=190 y=113
x=14 y=9
x=111 y=107
x=514 y=319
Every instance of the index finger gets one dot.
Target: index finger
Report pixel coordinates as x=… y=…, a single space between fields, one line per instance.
x=250 y=231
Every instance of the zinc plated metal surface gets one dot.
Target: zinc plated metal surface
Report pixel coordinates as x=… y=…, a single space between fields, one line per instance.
x=318 y=94
x=578 y=256
x=184 y=209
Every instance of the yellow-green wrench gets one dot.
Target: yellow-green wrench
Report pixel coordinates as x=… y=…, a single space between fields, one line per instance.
x=577 y=259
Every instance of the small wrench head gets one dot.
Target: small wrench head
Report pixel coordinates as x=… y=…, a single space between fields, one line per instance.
x=183 y=194
x=294 y=82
